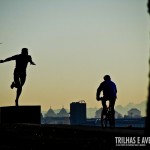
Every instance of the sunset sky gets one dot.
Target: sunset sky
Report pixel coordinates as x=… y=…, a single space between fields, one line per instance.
x=74 y=43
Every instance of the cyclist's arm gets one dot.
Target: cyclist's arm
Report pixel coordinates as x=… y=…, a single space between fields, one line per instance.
x=99 y=89
x=116 y=90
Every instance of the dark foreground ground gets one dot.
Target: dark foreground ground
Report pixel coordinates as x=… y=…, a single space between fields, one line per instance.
x=50 y=137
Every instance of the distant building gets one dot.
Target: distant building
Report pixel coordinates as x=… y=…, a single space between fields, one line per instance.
x=78 y=113
x=50 y=113
x=63 y=113
x=52 y=118
x=118 y=115
x=134 y=113
x=99 y=111
x=56 y=120
x=42 y=119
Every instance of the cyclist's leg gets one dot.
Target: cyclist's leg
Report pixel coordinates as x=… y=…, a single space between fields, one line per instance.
x=104 y=106
x=112 y=104
x=104 y=114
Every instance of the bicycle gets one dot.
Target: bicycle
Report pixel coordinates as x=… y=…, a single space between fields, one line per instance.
x=107 y=117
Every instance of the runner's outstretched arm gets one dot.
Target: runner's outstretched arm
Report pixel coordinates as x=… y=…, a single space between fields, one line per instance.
x=7 y=59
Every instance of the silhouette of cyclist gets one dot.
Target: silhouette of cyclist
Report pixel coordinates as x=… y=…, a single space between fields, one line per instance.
x=22 y=61
x=109 y=90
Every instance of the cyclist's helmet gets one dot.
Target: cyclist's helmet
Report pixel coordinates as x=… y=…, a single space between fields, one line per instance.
x=107 y=77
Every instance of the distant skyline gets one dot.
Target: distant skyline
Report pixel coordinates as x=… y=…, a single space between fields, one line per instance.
x=74 y=43
x=123 y=110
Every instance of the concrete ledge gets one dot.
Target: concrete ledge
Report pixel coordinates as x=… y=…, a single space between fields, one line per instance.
x=20 y=114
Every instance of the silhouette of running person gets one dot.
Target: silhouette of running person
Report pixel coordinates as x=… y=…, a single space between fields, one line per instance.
x=22 y=61
x=109 y=90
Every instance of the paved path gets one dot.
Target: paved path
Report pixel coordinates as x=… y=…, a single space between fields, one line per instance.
x=34 y=136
